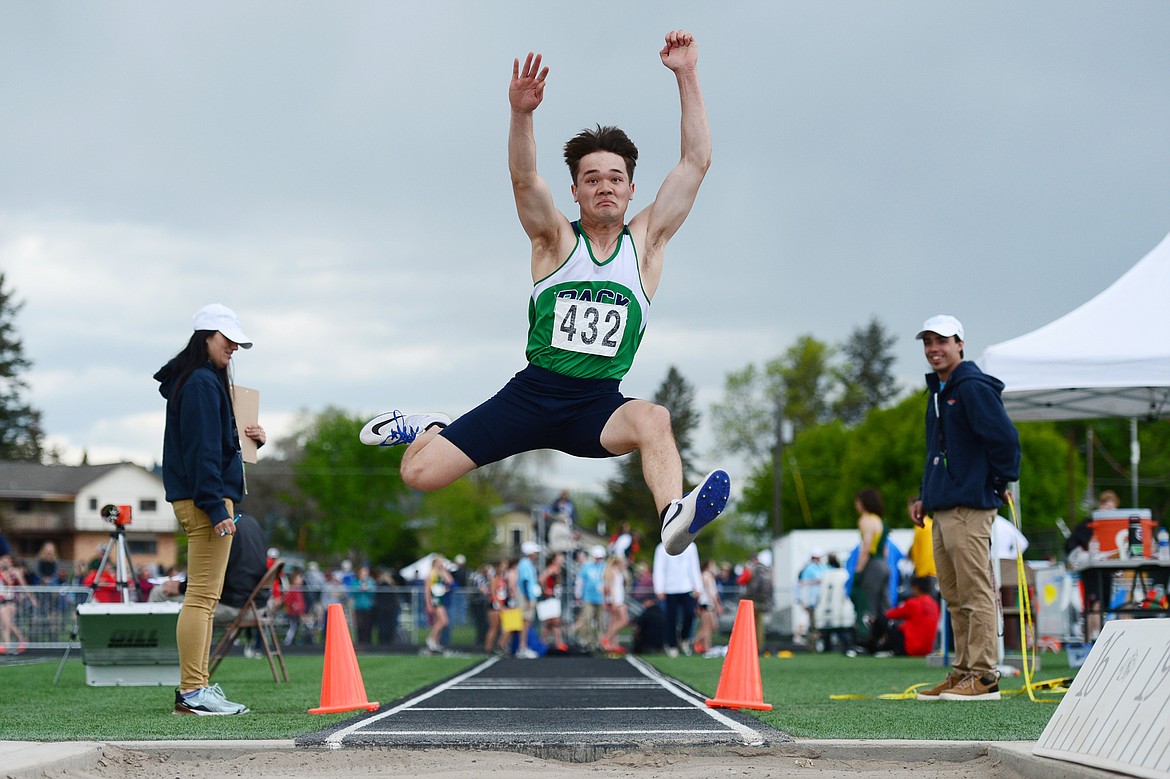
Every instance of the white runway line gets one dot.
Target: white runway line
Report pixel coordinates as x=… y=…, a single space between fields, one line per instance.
x=334 y=740
x=750 y=736
x=559 y=708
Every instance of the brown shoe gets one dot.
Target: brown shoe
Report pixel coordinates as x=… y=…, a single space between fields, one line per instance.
x=974 y=687
x=933 y=693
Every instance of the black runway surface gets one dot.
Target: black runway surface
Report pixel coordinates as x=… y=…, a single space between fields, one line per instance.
x=562 y=707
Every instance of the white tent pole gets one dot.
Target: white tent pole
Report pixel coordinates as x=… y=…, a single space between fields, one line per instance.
x=1135 y=457
x=1090 y=453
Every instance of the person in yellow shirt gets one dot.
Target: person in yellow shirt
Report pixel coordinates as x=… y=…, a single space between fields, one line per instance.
x=922 y=550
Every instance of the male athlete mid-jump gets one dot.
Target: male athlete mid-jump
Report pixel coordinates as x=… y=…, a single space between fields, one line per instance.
x=593 y=280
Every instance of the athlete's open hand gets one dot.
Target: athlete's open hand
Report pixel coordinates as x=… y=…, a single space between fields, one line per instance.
x=680 y=50
x=527 y=88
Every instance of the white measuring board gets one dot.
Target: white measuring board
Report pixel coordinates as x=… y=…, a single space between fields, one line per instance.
x=1116 y=713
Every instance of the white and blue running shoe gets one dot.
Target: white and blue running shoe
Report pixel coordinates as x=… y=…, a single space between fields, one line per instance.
x=393 y=427
x=683 y=519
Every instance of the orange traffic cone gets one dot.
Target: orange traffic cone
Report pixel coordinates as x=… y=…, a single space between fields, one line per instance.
x=342 y=688
x=739 y=681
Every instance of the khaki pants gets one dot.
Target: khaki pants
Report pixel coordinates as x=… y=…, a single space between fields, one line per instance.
x=962 y=552
x=588 y=626
x=207 y=556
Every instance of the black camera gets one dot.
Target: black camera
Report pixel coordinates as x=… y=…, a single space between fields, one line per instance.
x=116 y=515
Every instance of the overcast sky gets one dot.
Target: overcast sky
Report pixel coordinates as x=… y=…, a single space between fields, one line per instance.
x=337 y=174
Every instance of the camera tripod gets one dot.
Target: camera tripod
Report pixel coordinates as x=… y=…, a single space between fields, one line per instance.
x=123 y=578
x=123 y=567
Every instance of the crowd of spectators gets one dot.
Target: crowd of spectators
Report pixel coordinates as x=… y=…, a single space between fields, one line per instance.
x=550 y=598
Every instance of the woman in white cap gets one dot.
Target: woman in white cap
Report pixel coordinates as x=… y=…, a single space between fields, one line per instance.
x=203 y=473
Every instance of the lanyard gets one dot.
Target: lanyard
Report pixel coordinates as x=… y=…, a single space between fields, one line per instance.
x=942 y=439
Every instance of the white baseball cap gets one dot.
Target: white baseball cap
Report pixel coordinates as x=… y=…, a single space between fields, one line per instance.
x=530 y=547
x=943 y=324
x=598 y=551
x=217 y=316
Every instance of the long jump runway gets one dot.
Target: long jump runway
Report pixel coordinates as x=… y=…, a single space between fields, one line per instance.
x=559 y=707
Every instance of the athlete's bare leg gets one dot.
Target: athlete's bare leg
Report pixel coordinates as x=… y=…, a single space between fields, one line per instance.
x=432 y=462
x=645 y=426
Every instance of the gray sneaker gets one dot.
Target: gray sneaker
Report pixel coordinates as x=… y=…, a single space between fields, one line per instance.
x=683 y=519
x=207 y=702
x=393 y=427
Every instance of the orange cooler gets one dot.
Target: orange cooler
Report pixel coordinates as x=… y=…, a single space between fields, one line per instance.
x=1109 y=523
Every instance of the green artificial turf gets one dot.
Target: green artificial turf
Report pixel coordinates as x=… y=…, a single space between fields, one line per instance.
x=798 y=687
x=32 y=709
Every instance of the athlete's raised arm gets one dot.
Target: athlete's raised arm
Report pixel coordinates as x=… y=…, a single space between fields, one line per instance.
x=539 y=216
x=662 y=218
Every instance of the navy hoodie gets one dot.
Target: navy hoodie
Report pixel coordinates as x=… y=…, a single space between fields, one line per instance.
x=201 y=450
x=972 y=448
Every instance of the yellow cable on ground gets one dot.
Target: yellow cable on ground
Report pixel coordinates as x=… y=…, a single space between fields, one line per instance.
x=1056 y=686
x=910 y=693
x=1024 y=602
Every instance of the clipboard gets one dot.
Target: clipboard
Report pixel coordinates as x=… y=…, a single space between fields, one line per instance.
x=247 y=406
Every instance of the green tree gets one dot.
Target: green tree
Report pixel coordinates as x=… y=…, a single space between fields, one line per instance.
x=793 y=386
x=516 y=479
x=627 y=499
x=866 y=376
x=21 y=433
x=354 y=495
x=812 y=476
x=458 y=519
x=745 y=419
x=804 y=373
x=274 y=497
x=1111 y=466
x=887 y=452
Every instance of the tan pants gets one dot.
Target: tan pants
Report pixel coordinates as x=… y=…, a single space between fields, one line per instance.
x=588 y=627
x=207 y=556
x=962 y=552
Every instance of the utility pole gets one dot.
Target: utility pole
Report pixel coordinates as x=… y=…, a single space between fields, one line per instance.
x=783 y=438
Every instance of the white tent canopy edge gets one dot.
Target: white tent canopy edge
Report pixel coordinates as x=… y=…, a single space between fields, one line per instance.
x=1110 y=357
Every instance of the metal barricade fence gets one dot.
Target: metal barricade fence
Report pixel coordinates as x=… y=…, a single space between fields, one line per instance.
x=46 y=617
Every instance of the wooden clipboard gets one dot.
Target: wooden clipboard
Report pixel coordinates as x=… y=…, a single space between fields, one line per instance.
x=247 y=406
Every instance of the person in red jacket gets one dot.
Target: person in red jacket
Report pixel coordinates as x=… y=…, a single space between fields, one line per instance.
x=909 y=629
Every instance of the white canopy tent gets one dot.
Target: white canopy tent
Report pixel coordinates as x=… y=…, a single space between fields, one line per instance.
x=1108 y=358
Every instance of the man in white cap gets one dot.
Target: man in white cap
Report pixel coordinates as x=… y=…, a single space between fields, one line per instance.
x=972 y=455
x=590 y=591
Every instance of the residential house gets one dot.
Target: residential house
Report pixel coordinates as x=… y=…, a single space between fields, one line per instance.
x=63 y=504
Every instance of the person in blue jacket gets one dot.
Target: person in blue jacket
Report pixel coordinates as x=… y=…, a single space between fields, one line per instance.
x=203 y=474
x=972 y=455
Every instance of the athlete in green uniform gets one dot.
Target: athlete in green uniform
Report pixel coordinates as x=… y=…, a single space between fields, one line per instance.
x=593 y=281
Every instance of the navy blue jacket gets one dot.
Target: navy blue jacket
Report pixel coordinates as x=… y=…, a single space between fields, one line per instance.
x=972 y=448
x=201 y=449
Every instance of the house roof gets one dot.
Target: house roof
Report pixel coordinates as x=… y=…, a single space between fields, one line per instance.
x=21 y=480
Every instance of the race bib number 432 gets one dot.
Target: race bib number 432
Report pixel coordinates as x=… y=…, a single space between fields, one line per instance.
x=588 y=327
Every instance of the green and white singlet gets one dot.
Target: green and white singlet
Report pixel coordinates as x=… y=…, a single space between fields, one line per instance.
x=586 y=319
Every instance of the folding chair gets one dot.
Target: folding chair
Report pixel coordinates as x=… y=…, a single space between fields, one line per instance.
x=254 y=614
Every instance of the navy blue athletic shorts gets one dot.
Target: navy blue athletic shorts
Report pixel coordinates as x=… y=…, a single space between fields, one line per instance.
x=538 y=409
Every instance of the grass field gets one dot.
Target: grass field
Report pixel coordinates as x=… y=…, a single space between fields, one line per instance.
x=798 y=687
